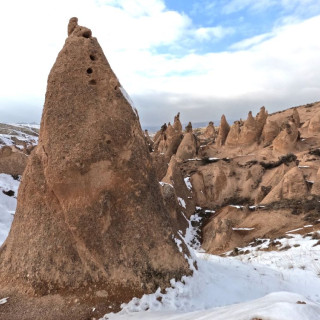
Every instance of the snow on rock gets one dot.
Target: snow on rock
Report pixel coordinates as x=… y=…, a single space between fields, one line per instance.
x=256 y=285
x=188 y=183
x=7 y=204
x=242 y=229
x=4 y=300
x=181 y=202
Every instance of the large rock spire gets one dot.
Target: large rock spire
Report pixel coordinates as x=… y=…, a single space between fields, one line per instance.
x=90 y=212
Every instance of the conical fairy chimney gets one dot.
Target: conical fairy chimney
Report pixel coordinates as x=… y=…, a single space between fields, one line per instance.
x=90 y=213
x=223 y=131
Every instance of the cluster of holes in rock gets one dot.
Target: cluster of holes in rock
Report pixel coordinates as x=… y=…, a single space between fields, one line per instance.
x=89 y=71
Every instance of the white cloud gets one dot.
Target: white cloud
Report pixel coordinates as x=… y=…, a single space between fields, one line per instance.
x=211 y=33
x=276 y=69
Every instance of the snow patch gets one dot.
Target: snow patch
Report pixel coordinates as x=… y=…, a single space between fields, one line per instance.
x=188 y=183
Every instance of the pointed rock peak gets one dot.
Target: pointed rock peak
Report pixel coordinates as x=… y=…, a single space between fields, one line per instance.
x=90 y=213
x=211 y=124
x=189 y=127
x=163 y=127
x=76 y=30
x=177 y=124
x=296 y=117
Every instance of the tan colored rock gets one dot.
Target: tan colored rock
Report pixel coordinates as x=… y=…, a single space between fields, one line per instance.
x=189 y=127
x=233 y=135
x=261 y=119
x=210 y=132
x=250 y=132
x=270 y=130
x=296 y=117
x=291 y=186
x=188 y=146
x=177 y=124
x=223 y=131
x=314 y=125
x=286 y=140
x=316 y=186
x=175 y=178
x=149 y=141
x=90 y=213
x=12 y=160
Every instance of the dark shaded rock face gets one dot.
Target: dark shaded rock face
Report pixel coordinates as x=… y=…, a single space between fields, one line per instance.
x=90 y=211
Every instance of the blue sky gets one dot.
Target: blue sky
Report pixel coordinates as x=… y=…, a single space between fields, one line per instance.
x=202 y=58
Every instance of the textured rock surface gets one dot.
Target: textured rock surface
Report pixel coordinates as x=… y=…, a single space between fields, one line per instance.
x=188 y=146
x=90 y=213
x=12 y=160
x=314 y=125
x=223 y=131
x=286 y=140
x=210 y=132
x=291 y=186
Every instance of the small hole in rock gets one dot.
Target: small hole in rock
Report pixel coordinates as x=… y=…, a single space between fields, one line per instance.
x=92 y=82
x=116 y=87
x=108 y=141
x=86 y=34
x=92 y=57
x=89 y=70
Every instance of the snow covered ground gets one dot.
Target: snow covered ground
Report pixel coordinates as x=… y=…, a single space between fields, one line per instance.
x=7 y=204
x=10 y=134
x=266 y=285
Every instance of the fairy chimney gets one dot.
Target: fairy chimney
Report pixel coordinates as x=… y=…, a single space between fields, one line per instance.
x=286 y=140
x=233 y=135
x=210 y=132
x=250 y=132
x=270 y=130
x=223 y=131
x=296 y=117
x=261 y=119
x=188 y=146
x=90 y=214
x=177 y=124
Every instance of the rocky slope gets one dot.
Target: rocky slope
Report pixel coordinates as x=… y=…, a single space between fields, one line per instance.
x=261 y=175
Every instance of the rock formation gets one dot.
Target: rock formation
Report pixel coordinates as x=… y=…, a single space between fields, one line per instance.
x=270 y=130
x=175 y=178
x=90 y=213
x=233 y=135
x=296 y=117
x=316 y=186
x=223 y=131
x=210 y=132
x=261 y=119
x=286 y=140
x=148 y=140
x=188 y=146
x=12 y=160
x=291 y=186
x=314 y=125
x=177 y=126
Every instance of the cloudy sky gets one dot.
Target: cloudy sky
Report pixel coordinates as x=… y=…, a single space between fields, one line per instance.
x=202 y=58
